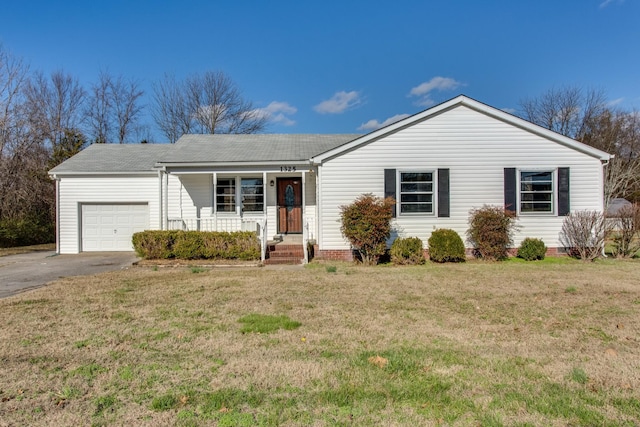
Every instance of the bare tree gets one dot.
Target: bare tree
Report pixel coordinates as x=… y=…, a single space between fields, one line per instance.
x=586 y=117
x=13 y=75
x=99 y=109
x=54 y=105
x=566 y=110
x=209 y=103
x=114 y=109
x=126 y=95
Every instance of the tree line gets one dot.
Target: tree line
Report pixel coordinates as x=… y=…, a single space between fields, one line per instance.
x=45 y=119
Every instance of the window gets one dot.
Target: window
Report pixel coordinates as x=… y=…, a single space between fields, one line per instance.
x=252 y=190
x=416 y=192
x=226 y=195
x=536 y=192
x=250 y=197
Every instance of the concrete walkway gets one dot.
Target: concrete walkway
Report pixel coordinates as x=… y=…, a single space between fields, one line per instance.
x=23 y=272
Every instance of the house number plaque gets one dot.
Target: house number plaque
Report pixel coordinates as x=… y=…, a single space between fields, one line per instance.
x=287 y=168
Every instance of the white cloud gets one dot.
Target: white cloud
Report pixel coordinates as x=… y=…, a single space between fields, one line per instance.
x=509 y=110
x=278 y=112
x=374 y=124
x=339 y=103
x=606 y=3
x=615 y=102
x=423 y=90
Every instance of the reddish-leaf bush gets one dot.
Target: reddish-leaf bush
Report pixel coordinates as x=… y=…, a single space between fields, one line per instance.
x=491 y=231
x=366 y=223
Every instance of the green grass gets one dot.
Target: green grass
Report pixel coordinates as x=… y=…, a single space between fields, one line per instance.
x=491 y=344
x=264 y=324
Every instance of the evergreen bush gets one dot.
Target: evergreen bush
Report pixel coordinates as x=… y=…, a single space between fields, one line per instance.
x=446 y=245
x=156 y=244
x=407 y=251
x=532 y=249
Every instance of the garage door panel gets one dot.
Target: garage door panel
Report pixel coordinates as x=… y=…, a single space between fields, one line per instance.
x=109 y=227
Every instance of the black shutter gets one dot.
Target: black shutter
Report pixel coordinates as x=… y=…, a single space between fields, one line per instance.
x=443 y=193
x=510 y=190
x=564 y=206
x=390 y=186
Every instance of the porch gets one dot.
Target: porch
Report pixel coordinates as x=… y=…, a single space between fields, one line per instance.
x=278 y=206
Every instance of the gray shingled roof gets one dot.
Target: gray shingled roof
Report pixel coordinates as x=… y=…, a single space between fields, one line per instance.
x=252 y=148
x=114 y=158
x=106 y=158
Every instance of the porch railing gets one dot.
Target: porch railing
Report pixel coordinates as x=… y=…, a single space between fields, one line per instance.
x=224 y=224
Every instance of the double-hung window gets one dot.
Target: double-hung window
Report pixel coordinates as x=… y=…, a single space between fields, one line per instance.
x=416 y=192
x=239 y=192
x=536 y=191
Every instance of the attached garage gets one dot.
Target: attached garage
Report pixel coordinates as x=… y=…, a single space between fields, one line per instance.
x=109 y=227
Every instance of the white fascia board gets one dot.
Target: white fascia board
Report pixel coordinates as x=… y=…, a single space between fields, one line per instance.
x=57 y=175
x=474 y=105
x=165 y=165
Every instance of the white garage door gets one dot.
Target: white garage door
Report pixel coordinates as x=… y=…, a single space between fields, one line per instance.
x=110 y=227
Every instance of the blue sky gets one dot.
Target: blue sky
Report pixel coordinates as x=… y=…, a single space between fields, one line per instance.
x=341 y=66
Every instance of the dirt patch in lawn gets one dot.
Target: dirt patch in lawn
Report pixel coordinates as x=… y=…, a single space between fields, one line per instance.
x=542 y=343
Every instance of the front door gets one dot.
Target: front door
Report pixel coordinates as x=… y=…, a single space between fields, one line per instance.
x=289 y=205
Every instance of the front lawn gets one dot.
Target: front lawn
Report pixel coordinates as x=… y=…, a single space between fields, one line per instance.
x=491 y=344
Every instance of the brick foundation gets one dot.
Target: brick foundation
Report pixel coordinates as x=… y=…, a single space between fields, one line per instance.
x=334 y=254
x=347 y=255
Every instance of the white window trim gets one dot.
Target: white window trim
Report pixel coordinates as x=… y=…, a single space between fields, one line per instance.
x=554 y=191
x=434 y=192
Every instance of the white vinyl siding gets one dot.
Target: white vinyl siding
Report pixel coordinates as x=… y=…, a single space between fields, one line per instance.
x=475 y=148
x=105 y=190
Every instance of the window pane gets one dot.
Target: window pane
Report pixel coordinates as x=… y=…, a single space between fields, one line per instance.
x=536 y=176
x=416 y=208
x=416 y=176
x=418 y=186
x=408 y=198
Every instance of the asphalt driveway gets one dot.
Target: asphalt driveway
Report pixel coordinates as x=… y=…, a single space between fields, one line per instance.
x=19 y=273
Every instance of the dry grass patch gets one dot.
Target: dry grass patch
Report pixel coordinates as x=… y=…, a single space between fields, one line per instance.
x=27 y=249
x=454 y=344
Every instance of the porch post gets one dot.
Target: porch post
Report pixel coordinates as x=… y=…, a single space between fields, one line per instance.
x=166 y=201
x=160 y=200
x=305 y=228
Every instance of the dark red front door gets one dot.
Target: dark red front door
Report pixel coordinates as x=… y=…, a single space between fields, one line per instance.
x=289 y=205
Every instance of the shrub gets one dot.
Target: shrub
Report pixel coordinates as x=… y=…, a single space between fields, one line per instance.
x=446 y=246
x=155 y=244
x=491 y=231
x=626 y=225
x=583 y=234
x=366 y=223
x=532 y=249
x=407 y=251
x=26 y=231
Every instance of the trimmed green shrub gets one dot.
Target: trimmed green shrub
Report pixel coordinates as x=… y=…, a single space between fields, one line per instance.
x=366 y=223
x=446 y=245
x=155 y=244
x=491 y=231
x=532 y=249
x=407 y=251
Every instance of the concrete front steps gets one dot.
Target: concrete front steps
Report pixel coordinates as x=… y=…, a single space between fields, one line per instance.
x=284 y=253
